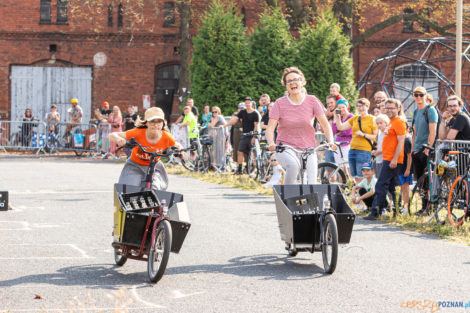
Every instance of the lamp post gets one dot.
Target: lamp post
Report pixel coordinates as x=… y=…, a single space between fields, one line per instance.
x=458 y=50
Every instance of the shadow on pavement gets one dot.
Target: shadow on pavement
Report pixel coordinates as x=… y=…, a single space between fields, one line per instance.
x=265 y=266
x=103 y=276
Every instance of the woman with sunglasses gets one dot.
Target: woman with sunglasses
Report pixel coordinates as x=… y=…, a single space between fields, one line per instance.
x=294 y=113
x=364 y=133
x=150 y=133
x=217 y=119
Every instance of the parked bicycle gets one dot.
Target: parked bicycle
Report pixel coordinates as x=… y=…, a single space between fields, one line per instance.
x=431 y=191
x=459 y=195
x=253 y=157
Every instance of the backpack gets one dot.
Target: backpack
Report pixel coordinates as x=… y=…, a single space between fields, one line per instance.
x=426 y=118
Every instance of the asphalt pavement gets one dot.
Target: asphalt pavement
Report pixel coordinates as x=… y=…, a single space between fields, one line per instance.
x=56 y=254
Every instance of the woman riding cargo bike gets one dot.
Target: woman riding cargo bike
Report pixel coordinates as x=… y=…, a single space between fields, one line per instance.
x=142 y=221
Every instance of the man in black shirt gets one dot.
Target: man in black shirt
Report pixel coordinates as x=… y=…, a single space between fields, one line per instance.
x=250 y=119
x=456 y=124
x=130 y=118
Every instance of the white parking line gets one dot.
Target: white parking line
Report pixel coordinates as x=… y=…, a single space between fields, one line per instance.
x=36 y=192
x=138 y=298
x=91 y=309
x=83 y=254
x=24 y=225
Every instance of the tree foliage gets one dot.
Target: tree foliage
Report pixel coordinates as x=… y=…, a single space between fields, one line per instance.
x=324 y=58
x=221 y=72
x=271 y=50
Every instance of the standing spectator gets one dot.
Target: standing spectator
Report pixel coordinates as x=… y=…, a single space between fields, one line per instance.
x=52 y=118
x=405 y=178
x=265 y=118
x=250 y=119
x=330 y=107
x=130 y=118
x=382 y=122
x=194 y=110
x=190 y=121
x=115 y=120
x=75 y=112
x=345 y=135
x=217 y=119
x=392 y=151
x=294 y=113
x=264 y=101
x=424 y=133
x=456 y=123
x=27 y=127
x=236 y=133
x=364 y=133
x=379 y=101
x=334 y=91
x=376 y=112
x=206 y=118
x=105 y=110
x=365 y=190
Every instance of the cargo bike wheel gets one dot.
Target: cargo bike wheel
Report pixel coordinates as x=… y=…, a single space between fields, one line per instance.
x=159 y=250
x=329 y=245
x=119 y=257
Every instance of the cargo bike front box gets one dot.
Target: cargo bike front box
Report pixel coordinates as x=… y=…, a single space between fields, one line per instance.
x=298 y=209
x=132 y=206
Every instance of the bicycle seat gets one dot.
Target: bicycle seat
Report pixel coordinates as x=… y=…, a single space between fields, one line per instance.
x=339 y=143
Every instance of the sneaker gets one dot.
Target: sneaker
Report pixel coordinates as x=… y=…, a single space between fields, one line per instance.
x=360 y=207
x=371 y=217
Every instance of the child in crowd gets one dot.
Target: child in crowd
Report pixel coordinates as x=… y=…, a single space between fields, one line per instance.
x=365 y=190
x=382 y=121
x=278 y=173
x=406 y=178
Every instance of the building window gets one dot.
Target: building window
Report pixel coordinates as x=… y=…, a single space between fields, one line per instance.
x=168 y=14
x=110 y=15
x=61 y=11
x=45 y=12
x=408 y=24
x=120 y=15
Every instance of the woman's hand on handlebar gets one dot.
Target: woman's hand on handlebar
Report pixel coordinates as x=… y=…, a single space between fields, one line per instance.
x=121 y=142
x=272 y=147
x=332 y=146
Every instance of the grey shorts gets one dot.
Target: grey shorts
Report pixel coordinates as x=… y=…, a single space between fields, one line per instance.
x=134 y=174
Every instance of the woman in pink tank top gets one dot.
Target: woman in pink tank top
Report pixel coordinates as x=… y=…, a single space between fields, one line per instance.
x=294 y=114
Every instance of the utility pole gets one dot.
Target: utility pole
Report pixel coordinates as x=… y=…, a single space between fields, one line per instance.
x=458 y=50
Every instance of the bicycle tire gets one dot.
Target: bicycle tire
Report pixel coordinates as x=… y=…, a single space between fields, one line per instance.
x=457 y=203
x=338 y=178
x=191 y=162
x=330 y=244
x=205 y=164
x=159 y=250
x=440 y=213
x=418 y=193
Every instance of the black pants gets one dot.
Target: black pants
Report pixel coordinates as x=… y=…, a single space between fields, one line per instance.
x=420 y=162
x=367 y=201
x=385 y=183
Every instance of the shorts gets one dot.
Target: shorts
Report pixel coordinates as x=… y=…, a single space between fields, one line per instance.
x=245 y=144
x=402 y=179
x=356 y=159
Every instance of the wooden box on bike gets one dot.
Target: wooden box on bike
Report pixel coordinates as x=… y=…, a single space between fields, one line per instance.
x=298 y=208
x=130 y=215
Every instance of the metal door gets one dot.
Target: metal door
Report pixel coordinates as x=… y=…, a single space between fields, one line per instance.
x=38 y=87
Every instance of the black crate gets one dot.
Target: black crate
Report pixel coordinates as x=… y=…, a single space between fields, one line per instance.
x=3 y=200
x=297 y=211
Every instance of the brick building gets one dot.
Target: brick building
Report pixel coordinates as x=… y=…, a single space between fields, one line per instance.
x=48 y=55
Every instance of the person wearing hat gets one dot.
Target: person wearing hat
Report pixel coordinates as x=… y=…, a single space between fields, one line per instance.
x=250 y=119
x=52 y=118
x=75 y=112
x=149 y=132
x=424 y=126
x=365 y=190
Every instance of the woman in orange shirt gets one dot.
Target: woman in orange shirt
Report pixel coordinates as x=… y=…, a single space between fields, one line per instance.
x=149 y=133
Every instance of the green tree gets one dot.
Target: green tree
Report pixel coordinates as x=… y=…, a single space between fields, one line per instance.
x=222 y=68
x=272 y=51
x=324 y=58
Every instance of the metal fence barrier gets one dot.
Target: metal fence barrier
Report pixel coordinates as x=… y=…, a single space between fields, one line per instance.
x=218 y=148
x=16 y=135
x=181 y=135
x=462 y=161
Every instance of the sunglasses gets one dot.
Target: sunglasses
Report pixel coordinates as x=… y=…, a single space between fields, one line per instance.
x=215 y=112
x=418 y=95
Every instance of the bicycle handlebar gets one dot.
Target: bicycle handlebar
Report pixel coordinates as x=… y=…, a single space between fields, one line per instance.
x=131 y=143
x=282 y=147
x=252 y=133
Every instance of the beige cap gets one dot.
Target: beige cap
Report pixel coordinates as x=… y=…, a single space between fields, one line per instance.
x=420 y=89
x=154 y=113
